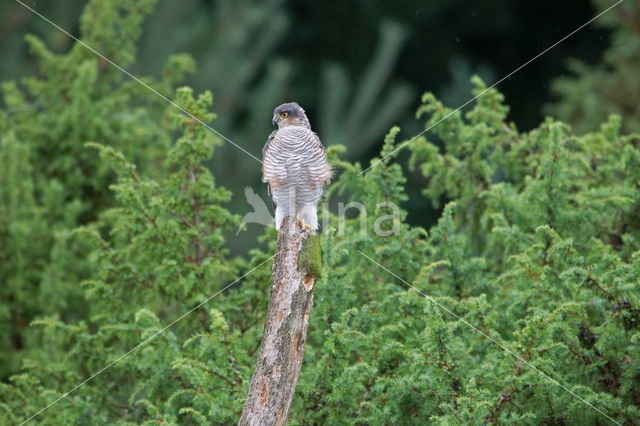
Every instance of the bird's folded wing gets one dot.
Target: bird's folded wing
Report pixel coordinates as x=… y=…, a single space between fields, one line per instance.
x=269 y=162
x=323 y=171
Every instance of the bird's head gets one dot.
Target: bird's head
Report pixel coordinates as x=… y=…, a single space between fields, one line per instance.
x=290 y=114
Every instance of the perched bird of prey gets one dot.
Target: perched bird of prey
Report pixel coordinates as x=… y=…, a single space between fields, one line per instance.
x=295 y=166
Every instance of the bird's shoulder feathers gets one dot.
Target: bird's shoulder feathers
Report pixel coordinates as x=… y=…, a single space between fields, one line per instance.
x=269 y=142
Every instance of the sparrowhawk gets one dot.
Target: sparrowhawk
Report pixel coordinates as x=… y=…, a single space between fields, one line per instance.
x=294 y=166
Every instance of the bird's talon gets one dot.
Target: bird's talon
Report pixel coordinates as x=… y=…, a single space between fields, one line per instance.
x=303 y=224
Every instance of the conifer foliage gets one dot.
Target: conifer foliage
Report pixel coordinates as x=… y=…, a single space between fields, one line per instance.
x=50 y=182
x=521 y=305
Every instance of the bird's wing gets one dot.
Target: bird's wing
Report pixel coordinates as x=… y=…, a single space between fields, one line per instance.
x=326 y=172
x=273 y=201
x=266 y=160
x=267 y=145
x=268 y=174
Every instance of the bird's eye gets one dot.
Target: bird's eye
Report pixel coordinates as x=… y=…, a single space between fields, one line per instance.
x=284 y=115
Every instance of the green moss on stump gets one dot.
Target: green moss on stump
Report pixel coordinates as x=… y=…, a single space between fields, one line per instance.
x=310 y=256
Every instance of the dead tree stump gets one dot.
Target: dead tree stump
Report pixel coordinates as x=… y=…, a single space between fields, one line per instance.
x=278 y=365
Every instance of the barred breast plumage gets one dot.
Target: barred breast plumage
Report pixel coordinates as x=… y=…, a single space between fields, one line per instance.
x=295 y=168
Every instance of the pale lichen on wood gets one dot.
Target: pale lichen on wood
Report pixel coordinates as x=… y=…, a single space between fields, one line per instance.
x=285 y=331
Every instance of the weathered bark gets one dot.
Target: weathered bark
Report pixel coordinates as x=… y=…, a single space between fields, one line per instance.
x=278 y=365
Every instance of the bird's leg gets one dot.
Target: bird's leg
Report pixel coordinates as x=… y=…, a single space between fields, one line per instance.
x=303 y=224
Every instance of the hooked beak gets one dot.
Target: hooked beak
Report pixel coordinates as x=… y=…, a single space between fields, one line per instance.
x=274 y=120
